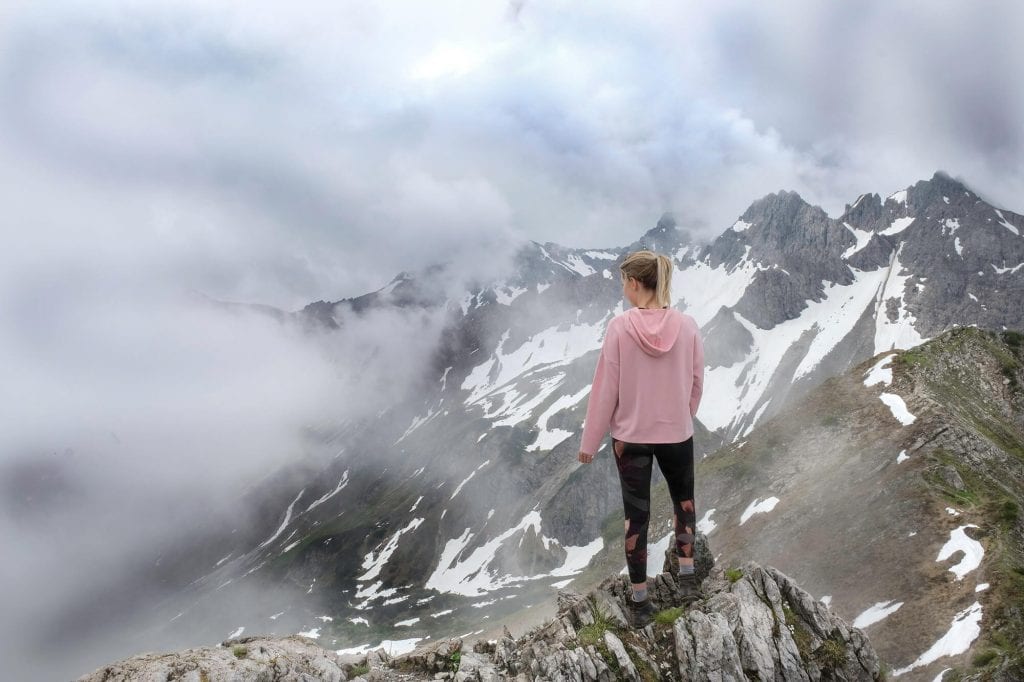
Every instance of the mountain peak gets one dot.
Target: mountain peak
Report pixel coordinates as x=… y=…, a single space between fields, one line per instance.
x=942 y=187
x=781 y=206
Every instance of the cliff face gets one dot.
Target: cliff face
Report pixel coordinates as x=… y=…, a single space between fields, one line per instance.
x=754 y=622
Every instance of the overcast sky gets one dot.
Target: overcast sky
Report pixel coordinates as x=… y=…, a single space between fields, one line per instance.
x=283 y=154
x=283 y=157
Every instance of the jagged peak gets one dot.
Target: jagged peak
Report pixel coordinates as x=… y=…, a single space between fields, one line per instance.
x=784 y=205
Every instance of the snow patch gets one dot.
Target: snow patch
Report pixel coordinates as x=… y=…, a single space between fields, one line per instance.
x=548 y=439
x=758 y=507
x=1005 y=223
x=578 y=558
x=372 y=563
x=1002 y=271
x=965 y=629
x=740 y=226
x=505 y=295
x=393 y=647
x=899 y=197
x=706 y=525
x=898 y=408
x=959 y=541
x=880 y=372
x=471 y=576
x=900 y=333
x=733 y=393
x=897 y=226
x=862 y=237
x=466 y=480
x=875 y=613
x=902 y=457
x=284 y=524
x=577 y=264
x=337 y=488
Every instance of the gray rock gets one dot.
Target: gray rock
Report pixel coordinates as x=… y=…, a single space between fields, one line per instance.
x=288 y=659
x=706 y=649
x=627 y=670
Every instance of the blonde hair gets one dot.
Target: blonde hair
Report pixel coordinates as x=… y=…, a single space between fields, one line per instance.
x=653 y=271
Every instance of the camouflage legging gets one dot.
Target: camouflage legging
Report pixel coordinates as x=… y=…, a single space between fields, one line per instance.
x=635 y=462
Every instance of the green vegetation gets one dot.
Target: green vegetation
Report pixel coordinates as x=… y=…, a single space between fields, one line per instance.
x=984 y=657
x=593 y=634
x=612 y=531
x=240 y=651
x=801 y=637
x=733 y=574
x=968 y=497
x=668 y=616
x=454 y=660
x=360 y=670
x=831 y=654
x=959 y=376
x=914 y=357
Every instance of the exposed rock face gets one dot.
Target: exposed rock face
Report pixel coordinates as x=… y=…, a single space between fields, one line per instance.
x=760 y=626
x=752 y=624
x=282 y=659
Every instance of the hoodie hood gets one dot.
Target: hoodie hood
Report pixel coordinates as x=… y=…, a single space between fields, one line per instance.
x=655 y=330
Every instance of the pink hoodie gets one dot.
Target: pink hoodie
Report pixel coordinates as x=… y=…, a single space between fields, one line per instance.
x=649 y=379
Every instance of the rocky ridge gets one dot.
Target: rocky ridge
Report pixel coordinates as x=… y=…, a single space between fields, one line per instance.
x=753 y=622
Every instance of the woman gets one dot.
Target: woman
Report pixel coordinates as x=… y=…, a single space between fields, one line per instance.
x=646 y=390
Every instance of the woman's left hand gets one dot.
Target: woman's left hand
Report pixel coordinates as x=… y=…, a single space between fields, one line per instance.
x=585 y=458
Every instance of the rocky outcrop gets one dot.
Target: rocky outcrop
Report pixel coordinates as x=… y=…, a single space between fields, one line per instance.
x=755 y=623
x=752 y=623
x=281 y=659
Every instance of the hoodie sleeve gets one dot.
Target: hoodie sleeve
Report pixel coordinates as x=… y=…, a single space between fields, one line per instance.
x=698 y=373
x=604 y=393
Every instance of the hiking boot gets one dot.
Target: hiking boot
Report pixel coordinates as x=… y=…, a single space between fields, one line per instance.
x=641 y=613
x=688 y=589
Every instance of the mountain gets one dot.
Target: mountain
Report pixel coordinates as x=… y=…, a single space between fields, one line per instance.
x=465 y=500
x=893 y=492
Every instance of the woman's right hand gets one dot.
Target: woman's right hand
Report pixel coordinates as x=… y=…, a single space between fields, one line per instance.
x=585 y=458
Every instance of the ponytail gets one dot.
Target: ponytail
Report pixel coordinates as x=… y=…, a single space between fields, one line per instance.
x=664 y=291
x=653 y=271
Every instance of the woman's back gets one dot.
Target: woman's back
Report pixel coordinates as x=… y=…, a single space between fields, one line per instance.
x=649 y=379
